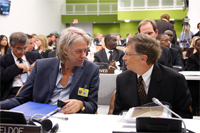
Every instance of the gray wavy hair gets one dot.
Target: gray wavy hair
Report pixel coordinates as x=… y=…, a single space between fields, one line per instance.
x=68 y=37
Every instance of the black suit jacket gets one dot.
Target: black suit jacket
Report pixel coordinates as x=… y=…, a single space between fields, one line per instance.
x=101 y=56
x=163 y=25
x=165 y=84
x=165 y=58
x=193 y=62
x=96 y=42
x=197 y=34
x=52 y=54
x=179 y=50
x=9 y=70
x=122 y=43
x=176 y=59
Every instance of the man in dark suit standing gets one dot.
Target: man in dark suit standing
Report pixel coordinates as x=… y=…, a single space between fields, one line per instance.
x=110 y=54
x=17 y=65
x=146 y=79
x=163 y=25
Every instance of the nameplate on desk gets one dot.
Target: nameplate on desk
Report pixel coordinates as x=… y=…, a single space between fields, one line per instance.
x=107 y=71
x=19 y=128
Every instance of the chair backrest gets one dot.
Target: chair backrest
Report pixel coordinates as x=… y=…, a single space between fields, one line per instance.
x=106 y=88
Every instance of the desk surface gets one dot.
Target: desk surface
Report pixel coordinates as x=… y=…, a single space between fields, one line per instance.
x=93 y=123
x=191 y=75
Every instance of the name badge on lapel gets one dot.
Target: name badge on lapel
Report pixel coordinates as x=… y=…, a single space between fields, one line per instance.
x=83 y=91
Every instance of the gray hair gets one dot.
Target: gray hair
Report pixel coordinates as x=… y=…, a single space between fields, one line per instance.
x=68 y=37
x=146 y=45
x=18 y=38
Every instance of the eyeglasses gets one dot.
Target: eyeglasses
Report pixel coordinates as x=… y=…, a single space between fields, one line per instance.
x=166 y=40
x=170 y=35
x=19 y=50
x=127 y=54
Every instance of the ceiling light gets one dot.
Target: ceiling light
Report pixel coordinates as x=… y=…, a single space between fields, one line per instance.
x=127 y=20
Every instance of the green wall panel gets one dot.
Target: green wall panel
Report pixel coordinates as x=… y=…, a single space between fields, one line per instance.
x=106 y=28
x=130 y=27
x=91 y=1
x=88 y=18
x=178 y=27
x=139 y=15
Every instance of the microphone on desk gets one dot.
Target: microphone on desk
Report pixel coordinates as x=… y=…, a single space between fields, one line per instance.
x=112 y=67
x=156 y=101
x=46 y=124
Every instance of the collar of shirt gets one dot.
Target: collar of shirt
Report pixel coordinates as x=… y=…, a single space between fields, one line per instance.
x=60 y=75
x=170 y=45
x=146 y=78
x=107 y=52
x=16 y=59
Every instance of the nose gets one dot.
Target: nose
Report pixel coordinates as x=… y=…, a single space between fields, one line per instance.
x=124 y=57
x=83 y=54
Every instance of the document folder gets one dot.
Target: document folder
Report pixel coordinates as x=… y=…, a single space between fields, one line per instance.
x=31 y=108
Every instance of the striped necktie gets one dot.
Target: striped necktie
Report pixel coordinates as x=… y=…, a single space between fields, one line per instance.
x=141 y=91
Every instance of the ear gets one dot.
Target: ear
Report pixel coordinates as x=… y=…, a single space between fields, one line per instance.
x=144 y=58
x=156 y=32
x=64 y=50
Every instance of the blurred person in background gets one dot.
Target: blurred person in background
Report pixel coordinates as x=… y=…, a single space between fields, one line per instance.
x=4 y=45
x=191 y=50
x=43 y=47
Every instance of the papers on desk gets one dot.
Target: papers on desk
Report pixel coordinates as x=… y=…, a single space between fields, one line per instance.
x=153 y=111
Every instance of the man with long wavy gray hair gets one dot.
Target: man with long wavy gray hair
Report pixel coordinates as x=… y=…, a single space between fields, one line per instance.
x=68 y=77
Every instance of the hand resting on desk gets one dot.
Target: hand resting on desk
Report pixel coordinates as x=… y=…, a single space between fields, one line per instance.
x=72 y=106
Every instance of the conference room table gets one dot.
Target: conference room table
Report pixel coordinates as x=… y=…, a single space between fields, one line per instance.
x=100 y=123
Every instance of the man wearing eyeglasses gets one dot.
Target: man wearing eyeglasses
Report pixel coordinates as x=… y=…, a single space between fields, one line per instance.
x=16 y=66
x=145 y=79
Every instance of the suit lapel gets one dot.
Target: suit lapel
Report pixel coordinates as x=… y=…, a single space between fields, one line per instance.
x=155 y=86
x=115 y=53
x=29 y=58
x=53 y=73
x=76 y=76
x=10 y=60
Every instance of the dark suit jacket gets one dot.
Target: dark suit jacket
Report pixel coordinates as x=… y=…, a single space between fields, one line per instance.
x=96 y=42
x=45 y=53
x=9 y=70
x=197 y=34
x=179 y=50
x=122 y=43
x=101 y=56
x=52 y=54
x=166 y=85
x=193 y=62
x=176 y=59
x=42 y=80
x=165 y=58
x=163 y=25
